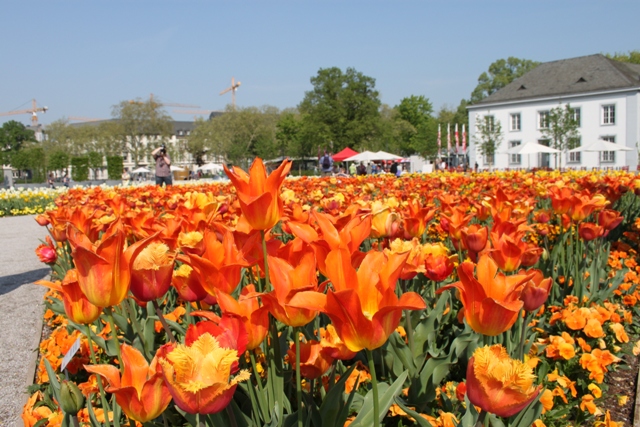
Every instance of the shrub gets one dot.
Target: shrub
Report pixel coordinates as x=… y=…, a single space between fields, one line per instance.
x=80 y=171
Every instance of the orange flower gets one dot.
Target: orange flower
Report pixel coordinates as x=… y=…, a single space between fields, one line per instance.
x=536 y=290
x=384 y=223
x=259 y=194
x=364 y=307
x=332 y=343
x=492 y=301
x=47 y=252
x=287 y=281
x=151 y=272
x=314 y=359
x=547 y=400
x=609 y=219
x=247 y=308
x=439 y=267
x=590 y=231
x=498 y=384
x=76 y=305
x=586 y=404
x=103 y=268
x=475 y=237
x=141 y=391
x=199 y=376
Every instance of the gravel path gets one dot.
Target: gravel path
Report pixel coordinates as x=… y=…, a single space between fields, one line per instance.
x=21 y=310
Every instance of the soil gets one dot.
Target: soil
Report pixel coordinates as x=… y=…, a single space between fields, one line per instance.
x=622 y=382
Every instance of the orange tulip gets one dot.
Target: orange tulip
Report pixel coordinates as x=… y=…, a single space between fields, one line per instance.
x=492 y=301
x=590 y=231
x=332 y=343
x=536 y=290
x=364 y=307
x=151 y=272
x=247 y=308
x=384 y=223
x=416 y=219
x=507 y=252
x=76 y=305
x=475 y=237
x=220 y=265
x=141 y=391
x=259 y=194
x=314 y=359
x=498 y=384
x=439 y=267
x=455 y=221
x=609 y=219
x=103 y=268
x=47 y=252
x=287 y=281
x=187 y=284
x=199 y=376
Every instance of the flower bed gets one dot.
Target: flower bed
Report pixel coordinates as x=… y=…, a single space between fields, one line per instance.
x=28 y=201
x=424 y=300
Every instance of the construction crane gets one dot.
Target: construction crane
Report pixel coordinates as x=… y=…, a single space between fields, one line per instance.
x=164 y=104
x=234 y=86
x=33 y=111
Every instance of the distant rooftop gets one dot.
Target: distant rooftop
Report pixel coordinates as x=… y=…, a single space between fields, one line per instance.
x=584 y=74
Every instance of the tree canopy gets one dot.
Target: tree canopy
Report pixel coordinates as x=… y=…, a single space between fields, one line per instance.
x=13 y=136
x=500 y=73
x=342 y=110
x=632 y=57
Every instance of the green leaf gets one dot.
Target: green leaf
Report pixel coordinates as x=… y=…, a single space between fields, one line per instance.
x=420 y=420
x=387 y=395
x=402 y=353
x=333 y=404
x=53 y=379
x=528 y=415
x=92 y=415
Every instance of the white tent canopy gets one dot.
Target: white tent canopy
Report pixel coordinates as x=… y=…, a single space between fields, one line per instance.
x=176 y=168
x=367 y=156
x=141 y=169
x=214 y=167
x=532 y=148
x=601 y=145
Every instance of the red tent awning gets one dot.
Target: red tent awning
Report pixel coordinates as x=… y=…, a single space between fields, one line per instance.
x=344 y=154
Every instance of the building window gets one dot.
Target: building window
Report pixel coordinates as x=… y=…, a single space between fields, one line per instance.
x=574 y=157
x=515 y=159
x=609 y=114
x=608 y=156
x=179 y=133
x=515 y=122
x=576 y=116
x=543 y=119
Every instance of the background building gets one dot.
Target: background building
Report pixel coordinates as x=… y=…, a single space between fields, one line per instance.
x=604 y=93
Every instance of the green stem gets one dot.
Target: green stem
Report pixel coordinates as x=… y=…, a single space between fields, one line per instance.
x=481 y=419
x=266 y=264
x=523 y=334
x=94 y=361
x=136 y=325
x=114 y=336
x=254 y=366
x=165 y=326
x=374 y=383
x=296 y=340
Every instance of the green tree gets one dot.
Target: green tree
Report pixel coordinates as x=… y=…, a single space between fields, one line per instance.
x=342 y=110
x=13 y=136
x=500 y=73
x=288 y=133
x=459 y=115
x=416 y=111
x=96 y=162
x=58 y=160
x=632 y=57
x=562 y=130
x=238 y=135
x=488 y=137
x=31 y=157
x=144 y=125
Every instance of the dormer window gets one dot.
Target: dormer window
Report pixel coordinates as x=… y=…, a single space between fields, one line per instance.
x=522 y=87
x=581 y=80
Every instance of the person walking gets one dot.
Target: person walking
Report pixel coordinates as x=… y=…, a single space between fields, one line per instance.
x=326 y=164
x=163 y=166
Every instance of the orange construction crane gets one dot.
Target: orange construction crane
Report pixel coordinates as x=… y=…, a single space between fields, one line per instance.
x=34 y=110
x=234 y=86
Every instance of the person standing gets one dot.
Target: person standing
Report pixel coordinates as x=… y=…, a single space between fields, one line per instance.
x=163 y=166
x=353 y=168
x=326 y=164
x=126 y=178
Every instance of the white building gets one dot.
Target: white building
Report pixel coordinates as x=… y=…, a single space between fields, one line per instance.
x=605 y=95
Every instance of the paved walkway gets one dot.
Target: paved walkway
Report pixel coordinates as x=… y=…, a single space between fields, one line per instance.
x=21 y=309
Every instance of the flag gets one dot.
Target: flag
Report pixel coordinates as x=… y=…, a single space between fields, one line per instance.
x=464 y=141
x=439 y=140
x=457 y=140
x=448 y=138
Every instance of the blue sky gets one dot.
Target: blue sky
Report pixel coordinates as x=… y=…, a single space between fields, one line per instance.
x=79 y=58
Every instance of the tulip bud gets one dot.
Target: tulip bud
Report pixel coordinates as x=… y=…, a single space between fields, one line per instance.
x=71 y=398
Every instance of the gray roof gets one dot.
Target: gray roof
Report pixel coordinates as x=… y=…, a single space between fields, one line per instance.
x=585 y=74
